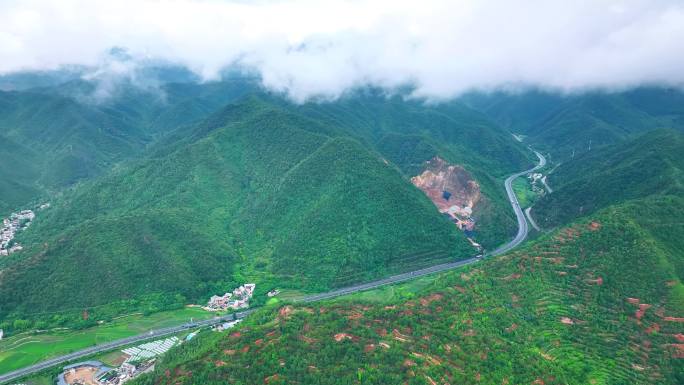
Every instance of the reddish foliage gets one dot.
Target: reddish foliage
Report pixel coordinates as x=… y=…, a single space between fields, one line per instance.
x=679 y=337
x=653 y=328
x=270 y=378
x=429 y=299
x=236 y=335
x=512 y=276
x=633 y=301
x=306 y=339
x=679 y=351
x=258 y=342
x=642 y=310
x=355 y=316
x=343 y=336
x=673 y=319
x=593 y=226
x=245 y=349
x=285 y=311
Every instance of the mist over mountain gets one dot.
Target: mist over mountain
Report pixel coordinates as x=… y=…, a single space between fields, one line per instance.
x=308 y=49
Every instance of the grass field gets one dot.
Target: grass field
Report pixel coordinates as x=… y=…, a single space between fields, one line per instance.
x=523 y=191
x=400 y=291
x=26 y=349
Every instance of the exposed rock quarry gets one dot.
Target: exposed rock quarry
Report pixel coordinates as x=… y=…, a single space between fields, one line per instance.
x=452 y=189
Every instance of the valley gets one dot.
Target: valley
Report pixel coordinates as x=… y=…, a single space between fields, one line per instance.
x=155 y=333
x=358 y=192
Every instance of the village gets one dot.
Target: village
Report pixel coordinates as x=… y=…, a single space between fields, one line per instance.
x=238 y=299
x=133 y=361
x=11 y=225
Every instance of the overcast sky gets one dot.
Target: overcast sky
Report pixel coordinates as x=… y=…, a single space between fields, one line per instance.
x=322 y=48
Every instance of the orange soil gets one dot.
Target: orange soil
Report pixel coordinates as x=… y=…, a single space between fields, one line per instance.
x=593 y=226
x=84 y=375
x=342 y=336
x=427 y=300
x=642 y=310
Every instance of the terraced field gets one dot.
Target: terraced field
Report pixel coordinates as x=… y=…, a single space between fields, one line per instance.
x=589 y=304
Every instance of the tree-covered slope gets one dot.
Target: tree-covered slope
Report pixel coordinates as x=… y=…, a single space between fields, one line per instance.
x=253 y=193
x=48 y=142
x=572 y=124
x=598 y=302
x=409 y=133
x=54 y=136
x=651 y=164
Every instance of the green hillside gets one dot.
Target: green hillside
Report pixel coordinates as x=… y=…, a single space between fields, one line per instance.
x=651 y=164
x=574 y=123
x=597 y=302
x=409 y=133
x=54 y=136
x=48 y=142
x=254 y=193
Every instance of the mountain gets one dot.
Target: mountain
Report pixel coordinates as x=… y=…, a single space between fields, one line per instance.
x=259 y=191
x=599 y=301
x=55 y=141
x=53 y=137
x=566 y=126
x=650 y=164
x=410 y=133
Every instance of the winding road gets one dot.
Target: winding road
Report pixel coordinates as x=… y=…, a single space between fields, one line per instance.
x=153 y=334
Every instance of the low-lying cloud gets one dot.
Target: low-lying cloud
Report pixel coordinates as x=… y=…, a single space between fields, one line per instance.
x=322 y=49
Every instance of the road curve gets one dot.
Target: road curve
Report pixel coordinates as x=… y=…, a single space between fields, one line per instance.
x=523 y=229
x=152 y=334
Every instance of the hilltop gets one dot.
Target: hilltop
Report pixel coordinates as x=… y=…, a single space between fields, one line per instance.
x=53 y=137
x=569 y=125
x=648 y=165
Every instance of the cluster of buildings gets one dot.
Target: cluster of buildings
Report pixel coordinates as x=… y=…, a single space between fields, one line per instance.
x=150 y=349
x=139 y=359
x=536 y=179
x=10 y=226
x=238 y=299
x=225 y=325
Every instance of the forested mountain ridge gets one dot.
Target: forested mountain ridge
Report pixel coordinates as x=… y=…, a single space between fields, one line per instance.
x=257 y=191
x=53 y=137
x=569 y=125
x=650 y=164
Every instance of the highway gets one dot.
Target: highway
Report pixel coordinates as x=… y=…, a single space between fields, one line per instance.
x=153 y=334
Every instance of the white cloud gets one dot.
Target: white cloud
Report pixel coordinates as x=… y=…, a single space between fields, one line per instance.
x=322 y=48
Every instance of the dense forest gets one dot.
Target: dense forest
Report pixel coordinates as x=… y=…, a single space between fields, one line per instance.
x=307 y=197
x=650 y=164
